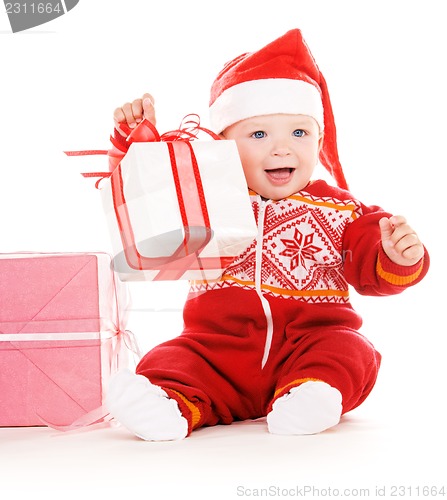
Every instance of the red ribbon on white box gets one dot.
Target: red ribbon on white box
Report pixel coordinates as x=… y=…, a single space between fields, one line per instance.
x=190 y=194
x=195 y=219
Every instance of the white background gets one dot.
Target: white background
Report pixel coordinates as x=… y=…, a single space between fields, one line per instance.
x=384 y=62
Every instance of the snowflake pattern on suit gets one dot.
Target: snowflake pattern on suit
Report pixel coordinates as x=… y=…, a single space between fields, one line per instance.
x=302 y=249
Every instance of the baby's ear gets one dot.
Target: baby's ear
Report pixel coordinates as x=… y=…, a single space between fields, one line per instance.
x=320 y=141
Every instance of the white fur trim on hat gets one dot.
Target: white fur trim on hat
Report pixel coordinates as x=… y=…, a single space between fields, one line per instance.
x=266 y=97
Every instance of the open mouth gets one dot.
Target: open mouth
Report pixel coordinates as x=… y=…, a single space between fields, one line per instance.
x=280 y=175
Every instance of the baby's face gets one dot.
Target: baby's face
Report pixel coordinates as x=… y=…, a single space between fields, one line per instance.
x=278 y=152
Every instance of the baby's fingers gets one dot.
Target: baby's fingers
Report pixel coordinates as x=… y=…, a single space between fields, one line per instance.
x=148 y=108
x=124 y=118
x=132 y=113
x=410 y=247
x=414 y=253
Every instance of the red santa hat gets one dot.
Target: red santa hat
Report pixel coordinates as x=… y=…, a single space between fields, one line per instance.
x=282 y=77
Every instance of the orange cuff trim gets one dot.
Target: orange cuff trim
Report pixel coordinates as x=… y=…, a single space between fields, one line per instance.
x=195 y=412
x=396 y=279
x=294 y=383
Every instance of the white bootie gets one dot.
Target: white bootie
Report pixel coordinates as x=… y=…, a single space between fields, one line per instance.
x=144 y=409
x=310 y=408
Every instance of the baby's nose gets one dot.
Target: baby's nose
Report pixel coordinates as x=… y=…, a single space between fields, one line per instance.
x=281 y=146
x=281 y=150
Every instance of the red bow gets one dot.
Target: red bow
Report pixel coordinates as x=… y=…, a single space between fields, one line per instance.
x=145 y=131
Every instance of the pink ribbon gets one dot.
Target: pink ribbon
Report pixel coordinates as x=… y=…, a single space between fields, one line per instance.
x=100 y=416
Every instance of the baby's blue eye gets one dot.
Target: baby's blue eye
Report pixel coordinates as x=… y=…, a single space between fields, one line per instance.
x=258 y=135
x=299 y=133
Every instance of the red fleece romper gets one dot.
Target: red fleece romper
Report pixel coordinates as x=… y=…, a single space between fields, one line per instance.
x=280 y=315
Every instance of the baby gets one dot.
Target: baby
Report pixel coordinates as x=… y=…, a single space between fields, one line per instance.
x=276 y=335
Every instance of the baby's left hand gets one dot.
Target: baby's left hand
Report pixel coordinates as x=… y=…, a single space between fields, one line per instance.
x=399 y=241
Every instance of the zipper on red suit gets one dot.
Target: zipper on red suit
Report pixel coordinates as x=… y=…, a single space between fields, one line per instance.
x=258 y=280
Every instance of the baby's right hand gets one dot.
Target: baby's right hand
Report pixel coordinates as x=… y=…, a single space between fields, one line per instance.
x=132 y=113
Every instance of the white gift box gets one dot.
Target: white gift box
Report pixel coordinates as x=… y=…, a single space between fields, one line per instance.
x=178 y=210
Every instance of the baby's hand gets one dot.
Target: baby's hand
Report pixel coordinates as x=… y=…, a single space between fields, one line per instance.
x=399 y=241
x=132 y=113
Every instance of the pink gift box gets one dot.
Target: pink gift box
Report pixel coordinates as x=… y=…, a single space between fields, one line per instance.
x=61 y=336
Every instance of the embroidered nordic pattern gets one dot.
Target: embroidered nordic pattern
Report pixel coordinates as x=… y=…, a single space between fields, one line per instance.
x=301 y=248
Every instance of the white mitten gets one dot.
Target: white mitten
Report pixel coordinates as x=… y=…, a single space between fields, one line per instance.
x=145 y=409
x=310 y=408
